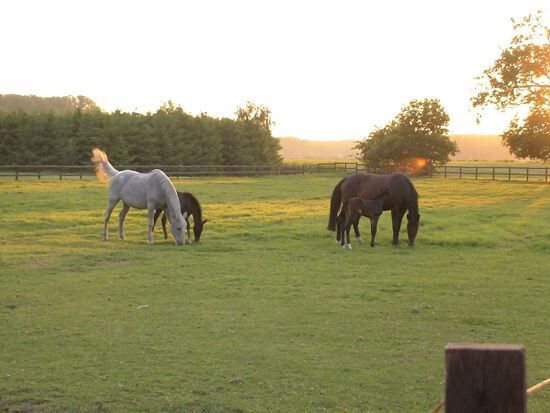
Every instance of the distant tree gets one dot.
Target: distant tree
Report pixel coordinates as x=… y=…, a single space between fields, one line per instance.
x=530 y=138
x=520 y=77
x=258 y=114
x=416 y=138
x=257 y=145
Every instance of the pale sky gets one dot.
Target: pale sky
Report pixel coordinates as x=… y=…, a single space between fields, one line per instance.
x=326 y=69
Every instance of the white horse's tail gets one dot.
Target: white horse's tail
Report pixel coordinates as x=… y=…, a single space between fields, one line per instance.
x=103 y=169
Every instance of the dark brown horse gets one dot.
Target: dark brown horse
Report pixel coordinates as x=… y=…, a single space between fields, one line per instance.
x=401 y=197
x=353 y=209
x=189 y=205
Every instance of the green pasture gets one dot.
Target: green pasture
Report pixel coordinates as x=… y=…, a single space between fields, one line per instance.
x=266 y=313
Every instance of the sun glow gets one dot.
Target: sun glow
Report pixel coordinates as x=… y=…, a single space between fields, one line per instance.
x=420 y=163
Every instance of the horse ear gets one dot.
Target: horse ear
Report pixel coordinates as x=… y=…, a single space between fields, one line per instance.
x=185 y=215
x=408 y=217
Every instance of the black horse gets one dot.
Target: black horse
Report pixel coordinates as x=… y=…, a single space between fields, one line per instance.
x=401 y=196
x=352 y=210
x=190 y=204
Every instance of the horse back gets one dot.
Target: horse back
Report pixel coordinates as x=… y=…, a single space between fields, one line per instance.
x=398 y=187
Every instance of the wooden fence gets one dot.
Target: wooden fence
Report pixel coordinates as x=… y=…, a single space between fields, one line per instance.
x=61 y=172
x=461 y=172
x=17 y=172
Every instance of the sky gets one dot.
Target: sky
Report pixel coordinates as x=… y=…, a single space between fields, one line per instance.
x=327 y=70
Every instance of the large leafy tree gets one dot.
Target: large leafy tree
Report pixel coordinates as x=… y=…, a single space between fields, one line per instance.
x=416 y=139
x=520 y=77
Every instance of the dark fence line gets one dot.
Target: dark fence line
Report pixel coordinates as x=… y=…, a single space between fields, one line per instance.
x=17 y=172
x=527 y=173
x=61 y=172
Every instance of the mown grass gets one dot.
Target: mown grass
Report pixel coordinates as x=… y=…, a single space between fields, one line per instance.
x=266 y=313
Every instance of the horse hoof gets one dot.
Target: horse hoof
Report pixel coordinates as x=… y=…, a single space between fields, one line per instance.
x=360 y=240
x=372 y=244
x=347 y=246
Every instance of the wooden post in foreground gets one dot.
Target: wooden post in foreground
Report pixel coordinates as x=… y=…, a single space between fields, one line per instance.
x=485 y=378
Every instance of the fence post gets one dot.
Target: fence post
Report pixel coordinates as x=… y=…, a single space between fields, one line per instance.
x=16 y=174
x=509 y=173
x=39 y=174
x=476 y=172
x=493 y=173
x=80 y=170
x=60 y=174
x=546 y=175
x=460 y=172
x=527 y=174
x=445 y=171
x=485 y=378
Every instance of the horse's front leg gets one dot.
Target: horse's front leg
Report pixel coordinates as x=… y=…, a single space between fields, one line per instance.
x=121 y=218
x=189 y=241
x=396 y=218
x=373 y=227
x=108 y=212
x=356 y=230
x=150 y=224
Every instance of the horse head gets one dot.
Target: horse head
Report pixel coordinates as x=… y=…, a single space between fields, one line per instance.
x=412 y=227
x=197 y=229
x=178 y=225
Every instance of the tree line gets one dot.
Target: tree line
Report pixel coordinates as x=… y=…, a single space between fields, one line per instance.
x=37 y=104
x=169 y=136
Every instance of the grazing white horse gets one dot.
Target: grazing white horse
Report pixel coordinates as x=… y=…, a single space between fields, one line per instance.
x=150 y=191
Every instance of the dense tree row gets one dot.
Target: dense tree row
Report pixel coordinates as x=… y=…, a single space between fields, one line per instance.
x=169 y=136
x=38 y=104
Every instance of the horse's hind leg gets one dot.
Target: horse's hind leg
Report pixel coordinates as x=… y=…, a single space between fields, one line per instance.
x=121 y=218
x=108 y=212
x=356 y=230
x=162 y=220
x=340 y=228
x=345 y=233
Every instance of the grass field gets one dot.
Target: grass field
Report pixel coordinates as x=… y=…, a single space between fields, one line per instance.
x=267 y=313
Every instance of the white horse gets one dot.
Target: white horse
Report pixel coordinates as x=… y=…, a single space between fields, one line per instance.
x=150 y=191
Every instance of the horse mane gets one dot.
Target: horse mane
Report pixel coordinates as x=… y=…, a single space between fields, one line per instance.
x=412 y=202
x=168 y=189
x=195 y=201
x=413 y=189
